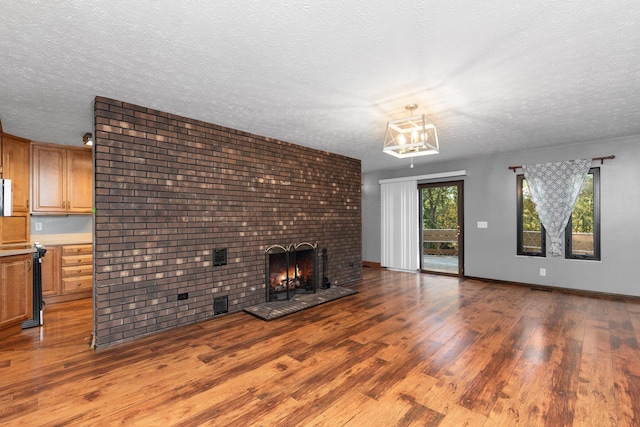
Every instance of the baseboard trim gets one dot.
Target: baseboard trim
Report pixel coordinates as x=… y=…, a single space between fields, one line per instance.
x=370 y=264
x=534 y=287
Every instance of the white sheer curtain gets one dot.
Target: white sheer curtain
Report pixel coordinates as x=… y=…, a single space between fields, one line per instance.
x=554 y=188
x=399 y=220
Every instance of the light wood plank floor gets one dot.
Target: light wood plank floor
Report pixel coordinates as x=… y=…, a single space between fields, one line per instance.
x=408 y=349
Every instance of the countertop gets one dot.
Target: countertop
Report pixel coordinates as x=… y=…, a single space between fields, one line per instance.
x=16 y=249
x=62 y=239
x=44 y=240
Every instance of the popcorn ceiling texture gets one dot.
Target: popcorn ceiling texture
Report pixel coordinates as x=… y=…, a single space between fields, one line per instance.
x=170 y=189
x=495 y=76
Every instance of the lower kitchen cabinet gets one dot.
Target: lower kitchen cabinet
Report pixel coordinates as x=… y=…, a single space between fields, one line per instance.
x=77 y=269
x=50 y=268
x=67 y=273
x=16 y=291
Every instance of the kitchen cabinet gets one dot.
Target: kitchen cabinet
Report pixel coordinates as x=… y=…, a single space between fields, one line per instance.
x=77 y=268
x=14 y=229
x=67 y=273
x=15 y=165
x=62 y=179
x=16 y=290
x=50 y=270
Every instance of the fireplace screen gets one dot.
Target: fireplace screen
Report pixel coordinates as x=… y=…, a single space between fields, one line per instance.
x=291 y=269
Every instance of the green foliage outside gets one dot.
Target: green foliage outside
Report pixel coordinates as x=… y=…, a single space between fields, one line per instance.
x=582 y=216
x=440 y=212
x=440 y=208
x=530 y=219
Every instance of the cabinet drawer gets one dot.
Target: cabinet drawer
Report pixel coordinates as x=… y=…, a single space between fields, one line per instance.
x=77 y=249
x=77 y=284
x=78 y=270
x=86 y=259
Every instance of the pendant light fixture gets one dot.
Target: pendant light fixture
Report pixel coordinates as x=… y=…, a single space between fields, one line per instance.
x=411 y=136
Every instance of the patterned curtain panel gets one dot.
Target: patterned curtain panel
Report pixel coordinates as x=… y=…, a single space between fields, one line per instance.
x=554 y=188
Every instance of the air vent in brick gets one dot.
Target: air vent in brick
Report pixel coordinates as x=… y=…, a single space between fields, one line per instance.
x=219 y=257
x=220 y=305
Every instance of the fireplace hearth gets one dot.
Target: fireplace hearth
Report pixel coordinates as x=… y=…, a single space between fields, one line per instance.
x=290 y=270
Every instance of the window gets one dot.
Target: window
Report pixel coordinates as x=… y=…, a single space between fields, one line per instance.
x=531 y=233
x=582 y=235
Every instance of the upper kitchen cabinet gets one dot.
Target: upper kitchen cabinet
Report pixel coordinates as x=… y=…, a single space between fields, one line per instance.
x=79 y=180
x=62 y=179
x=15 y=166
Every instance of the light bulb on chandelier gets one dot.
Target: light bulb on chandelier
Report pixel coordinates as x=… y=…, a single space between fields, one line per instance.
x=420 y=131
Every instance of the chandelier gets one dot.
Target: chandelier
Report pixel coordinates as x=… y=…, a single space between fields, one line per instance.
x=411 y=136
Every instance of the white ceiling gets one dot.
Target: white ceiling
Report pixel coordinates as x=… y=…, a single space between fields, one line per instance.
x=495 y=76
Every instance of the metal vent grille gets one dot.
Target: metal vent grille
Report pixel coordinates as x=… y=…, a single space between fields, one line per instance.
x=219 y=257
x=220 y=305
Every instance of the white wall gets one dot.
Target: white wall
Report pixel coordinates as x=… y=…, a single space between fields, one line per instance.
x=490 y=195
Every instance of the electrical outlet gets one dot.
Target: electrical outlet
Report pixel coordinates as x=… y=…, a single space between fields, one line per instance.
x=543 y=271
x=183 y=296
x=38 y=226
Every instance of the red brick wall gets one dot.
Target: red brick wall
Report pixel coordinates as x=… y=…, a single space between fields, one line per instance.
x=170 y=189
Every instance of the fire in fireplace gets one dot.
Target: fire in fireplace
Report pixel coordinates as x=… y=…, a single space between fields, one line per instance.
x=291 y=269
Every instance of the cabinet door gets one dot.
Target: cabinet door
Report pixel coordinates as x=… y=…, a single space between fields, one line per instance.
x=16 y=161
x=16 y=289
x=48 y=184
x=79 y=180
x=51 y=271
x=15 y=229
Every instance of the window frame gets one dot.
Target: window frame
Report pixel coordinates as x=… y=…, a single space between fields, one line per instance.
x=568 y=253
x=519 y=224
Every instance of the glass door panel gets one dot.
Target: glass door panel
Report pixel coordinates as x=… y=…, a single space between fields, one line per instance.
x=441 y=227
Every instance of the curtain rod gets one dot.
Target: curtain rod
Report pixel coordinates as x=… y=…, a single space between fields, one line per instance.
x=602 y=159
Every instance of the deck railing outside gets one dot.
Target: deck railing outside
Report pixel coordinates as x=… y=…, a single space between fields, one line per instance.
x=445 y=242
x=440 y=242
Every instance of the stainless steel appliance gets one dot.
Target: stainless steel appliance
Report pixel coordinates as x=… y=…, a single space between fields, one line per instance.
x=38 y=303
x=6 y=206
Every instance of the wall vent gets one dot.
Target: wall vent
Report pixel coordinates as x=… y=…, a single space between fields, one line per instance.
x=220 y=305
x=219 y=257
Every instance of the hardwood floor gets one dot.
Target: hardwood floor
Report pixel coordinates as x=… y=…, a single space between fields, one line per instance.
x=408 y=349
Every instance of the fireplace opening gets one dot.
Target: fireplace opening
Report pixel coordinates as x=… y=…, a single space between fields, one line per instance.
x=291 y=269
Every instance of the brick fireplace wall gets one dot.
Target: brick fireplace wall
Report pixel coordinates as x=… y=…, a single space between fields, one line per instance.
x=169 y=190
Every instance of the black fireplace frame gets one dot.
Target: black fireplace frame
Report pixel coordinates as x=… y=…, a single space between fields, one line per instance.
x=290 y=253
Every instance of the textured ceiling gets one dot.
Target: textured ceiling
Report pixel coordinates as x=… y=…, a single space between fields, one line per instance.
x=495 y=76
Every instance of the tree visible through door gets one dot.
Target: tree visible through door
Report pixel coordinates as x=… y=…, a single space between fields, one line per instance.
x=441 y=227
